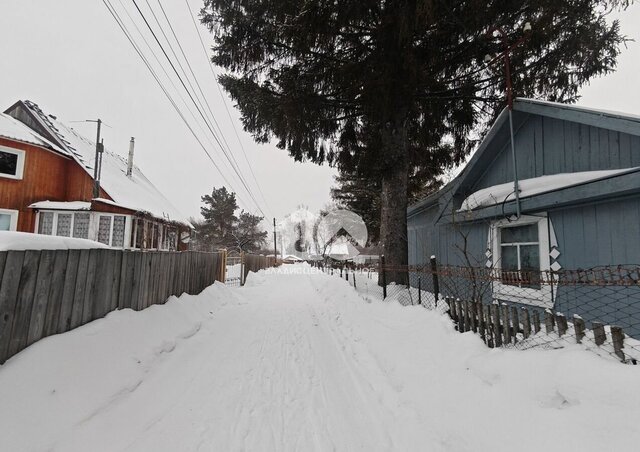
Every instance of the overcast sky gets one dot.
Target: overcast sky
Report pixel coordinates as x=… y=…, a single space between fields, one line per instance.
x=70 y=57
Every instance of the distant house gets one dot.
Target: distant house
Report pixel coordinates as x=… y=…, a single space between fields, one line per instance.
x=579 y=178
x=46 y=186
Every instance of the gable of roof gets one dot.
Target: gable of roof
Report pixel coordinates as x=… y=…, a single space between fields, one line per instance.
x=13 y=129
x=135 y=192
x=498 y=135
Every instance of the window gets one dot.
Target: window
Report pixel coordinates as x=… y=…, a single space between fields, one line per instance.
x=63 y=228
x=104 y=229
x=11 y=163
x=521 y=256
x=8 y=220
x=117 y=238
x=45 y=224
x=81 y=225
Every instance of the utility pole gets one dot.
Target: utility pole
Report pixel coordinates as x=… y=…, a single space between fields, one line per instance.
x=275 y=243
x=96 y=167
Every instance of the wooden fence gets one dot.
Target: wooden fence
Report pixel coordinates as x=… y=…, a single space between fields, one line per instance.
x=255 y=262
x=501 y=325
x=45 y=292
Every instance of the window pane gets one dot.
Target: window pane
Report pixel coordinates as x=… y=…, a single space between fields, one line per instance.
x=509 y=265
x=118 y=231
x=81 y=225
x=8 y=163
x=527 y=233
x=140 y=233
x=530 y=266
x=104 y=229
x=45 y=225
x=5 y=222
x=64 y=225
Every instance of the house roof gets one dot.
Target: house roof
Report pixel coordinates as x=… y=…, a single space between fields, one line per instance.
x=15 y=130
x=522 y=107
x=135 y=192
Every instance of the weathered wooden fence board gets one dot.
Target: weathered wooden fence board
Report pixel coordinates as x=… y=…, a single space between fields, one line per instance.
x=53 y=291
x=9 y=286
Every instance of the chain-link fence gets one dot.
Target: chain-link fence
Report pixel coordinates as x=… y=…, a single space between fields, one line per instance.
x=598 y=308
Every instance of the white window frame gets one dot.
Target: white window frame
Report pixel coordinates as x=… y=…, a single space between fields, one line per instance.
x=535 y=297
x=13 y=224
x=19 y=166
x=94 y=220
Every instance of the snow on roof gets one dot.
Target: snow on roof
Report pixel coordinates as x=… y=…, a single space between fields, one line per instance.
x=497 y=194
x=10 y=240
x=135 y=192
x=13 y=129
x=596 y=111
x=61 y=205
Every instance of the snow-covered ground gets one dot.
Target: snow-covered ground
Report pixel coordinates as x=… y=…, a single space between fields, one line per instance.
x=301 y=362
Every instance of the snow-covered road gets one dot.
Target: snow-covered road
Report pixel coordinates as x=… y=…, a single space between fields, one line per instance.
x=299 y=362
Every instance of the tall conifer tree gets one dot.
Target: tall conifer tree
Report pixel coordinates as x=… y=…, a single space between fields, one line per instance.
x=383 y=87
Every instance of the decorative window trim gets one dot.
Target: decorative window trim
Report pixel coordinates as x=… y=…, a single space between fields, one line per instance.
x=13 y=224
x=19 y=166
x=542 y=297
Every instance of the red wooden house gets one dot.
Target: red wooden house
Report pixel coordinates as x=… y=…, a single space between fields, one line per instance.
x=46 y=186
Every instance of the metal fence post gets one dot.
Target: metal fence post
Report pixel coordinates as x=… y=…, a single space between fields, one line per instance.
x=419 y=291
x=384 y=278
x=434 y=274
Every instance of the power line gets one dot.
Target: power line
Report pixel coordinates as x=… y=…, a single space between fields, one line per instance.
x=120 y=23
x=204 y=97
x=224 y=102
x=196 y=104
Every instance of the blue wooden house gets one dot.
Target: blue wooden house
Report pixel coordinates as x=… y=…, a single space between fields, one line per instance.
x=578 y=172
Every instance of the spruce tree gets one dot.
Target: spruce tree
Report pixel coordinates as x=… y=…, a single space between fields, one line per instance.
x=219 y=218
x=383 y=87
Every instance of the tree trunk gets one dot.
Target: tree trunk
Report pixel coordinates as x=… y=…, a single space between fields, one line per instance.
x=393 y=220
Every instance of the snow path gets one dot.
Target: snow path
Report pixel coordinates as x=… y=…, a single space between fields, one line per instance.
x=301 y=363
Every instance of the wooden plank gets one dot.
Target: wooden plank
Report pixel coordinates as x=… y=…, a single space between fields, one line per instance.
x=526 y=323
x=461 y=314
x=26 y=290
x=579 y=327
x=116 y=275
x=549 y=321
x=617 y=337
x=41 y=297
x=506 y=329
x=479 y=309
x=9 y=286
x=3 y=259
x=80 y=289
x=561 y=321
x=137 y=281
x=515 y=320
x=90 y=286
x=599 y=334
x=536 y=322
x=102 y=283
x=488 y=326
x=497 y=334
x=68 y=291
x=126 y=280
x=54 y=307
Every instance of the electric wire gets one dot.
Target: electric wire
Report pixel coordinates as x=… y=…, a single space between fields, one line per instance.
x=123 y=28
x=173 y=67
